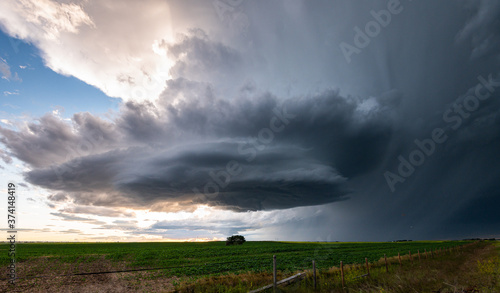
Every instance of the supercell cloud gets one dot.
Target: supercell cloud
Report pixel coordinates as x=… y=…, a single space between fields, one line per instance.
x=250 y=154
x=268 y=111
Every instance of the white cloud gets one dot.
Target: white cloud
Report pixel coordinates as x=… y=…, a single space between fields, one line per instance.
x=7 y=93
x=6 y=72
x=51 y=18
x=5 y=69
x=110 y=45
x=5 y=121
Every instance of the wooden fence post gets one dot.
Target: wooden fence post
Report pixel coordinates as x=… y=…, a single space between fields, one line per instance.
x=425 y=253
x=274 y=272
x=367 y=267
x=342 y=273
x=386 y=266
x=314 y=274
x=399 y=257
x=411 y=259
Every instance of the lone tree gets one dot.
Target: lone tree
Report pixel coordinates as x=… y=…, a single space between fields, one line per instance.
x=235 y=239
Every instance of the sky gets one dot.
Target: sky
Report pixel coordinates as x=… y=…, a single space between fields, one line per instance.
x=163 y=120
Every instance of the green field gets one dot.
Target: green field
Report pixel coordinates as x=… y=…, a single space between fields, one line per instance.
x=198 y=259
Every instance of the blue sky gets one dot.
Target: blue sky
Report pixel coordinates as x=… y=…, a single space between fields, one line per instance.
x=313 y=121
x=39 y=89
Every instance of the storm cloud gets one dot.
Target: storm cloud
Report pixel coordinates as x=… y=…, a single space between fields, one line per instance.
x=253 y=154
x=276 y=116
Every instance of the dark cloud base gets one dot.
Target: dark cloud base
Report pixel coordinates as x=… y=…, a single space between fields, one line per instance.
x=256 y=154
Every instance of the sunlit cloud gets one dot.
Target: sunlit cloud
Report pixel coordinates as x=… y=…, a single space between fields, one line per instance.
x=107 y=45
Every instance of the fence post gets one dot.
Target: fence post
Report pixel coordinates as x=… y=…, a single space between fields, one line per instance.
x=411 y=259
x=342 y=273
x=418 y=251
x=274 y=272
x=367 y=267
x=425 y=253
x=399 y=257
x=386 y=267
x=314 y=274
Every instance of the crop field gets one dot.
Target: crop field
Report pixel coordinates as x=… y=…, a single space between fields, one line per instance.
x=215 y=267
x=198 y=259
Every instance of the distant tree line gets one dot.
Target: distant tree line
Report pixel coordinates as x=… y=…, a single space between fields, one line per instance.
x=480 y=239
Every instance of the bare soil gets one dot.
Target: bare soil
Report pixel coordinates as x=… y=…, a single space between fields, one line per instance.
x=50 y=277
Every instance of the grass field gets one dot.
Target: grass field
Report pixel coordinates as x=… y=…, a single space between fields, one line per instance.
x=191 y=261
